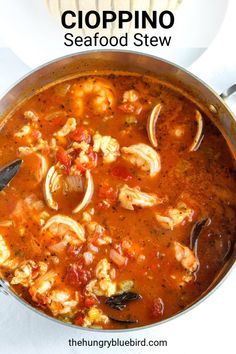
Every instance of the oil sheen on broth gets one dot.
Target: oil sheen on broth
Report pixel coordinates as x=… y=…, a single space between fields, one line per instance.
x=123 y=210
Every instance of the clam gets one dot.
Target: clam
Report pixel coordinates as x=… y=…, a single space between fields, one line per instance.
x=73 y=183
x=199 y=135
x=151 y=124
x=50 y=185
x=88 y=194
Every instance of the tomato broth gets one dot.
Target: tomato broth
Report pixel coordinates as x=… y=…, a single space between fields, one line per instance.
x=123 y=210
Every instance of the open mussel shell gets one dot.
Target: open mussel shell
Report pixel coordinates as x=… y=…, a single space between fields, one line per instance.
x=200 y=132
x=151 y=124
x=196 y=231
x=8 y=172
x=124 y=321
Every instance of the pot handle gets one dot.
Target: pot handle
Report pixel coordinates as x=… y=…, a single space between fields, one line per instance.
x=229 y=96
x=229 y=92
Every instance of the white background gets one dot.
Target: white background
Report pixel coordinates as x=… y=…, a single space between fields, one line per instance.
x=210 y=327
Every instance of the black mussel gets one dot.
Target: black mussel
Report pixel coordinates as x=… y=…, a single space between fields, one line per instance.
x=7 y=172
x=118 y=302
x=125 y=321
x=196 y=230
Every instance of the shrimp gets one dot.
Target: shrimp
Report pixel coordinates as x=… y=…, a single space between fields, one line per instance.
x=102 y=92
x=102 y=285
x=69 y=127
x=94 y=316
x=131 y=102
x=186 y=257
x=175 y=216
x=97 y=234
x=108 y=145
x=4 y=251
x=188 y=261
x=61 y=302
x=25 y=130
x=27 y=272
x=128 y=197
x=32 y=116
x=42 y=145
x=67 y=229
x=143 y=156
x=41 y=286
x=130 y=96
x=102 y=268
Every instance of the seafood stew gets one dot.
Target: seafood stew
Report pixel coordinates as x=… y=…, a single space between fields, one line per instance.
x=123 y=210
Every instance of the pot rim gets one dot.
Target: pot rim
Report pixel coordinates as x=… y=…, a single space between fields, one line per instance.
x=206 y=293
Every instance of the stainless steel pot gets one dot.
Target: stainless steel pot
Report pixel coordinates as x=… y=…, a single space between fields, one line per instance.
x=117 y=61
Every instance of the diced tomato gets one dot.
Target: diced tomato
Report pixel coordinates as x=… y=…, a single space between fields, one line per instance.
x=85 y=276
x=77 y=276
x=107 y=192
x=153 y=267
x=79 y=320
x=64 y=159
x=92 y=158
x=89 y=301
x=121 y=172
x=58 y=121
x=72 y=276
x=157 y=308
x=81 y=134
x=80 y=167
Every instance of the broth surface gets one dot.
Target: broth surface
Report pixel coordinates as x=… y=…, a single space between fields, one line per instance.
x=125 y=259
